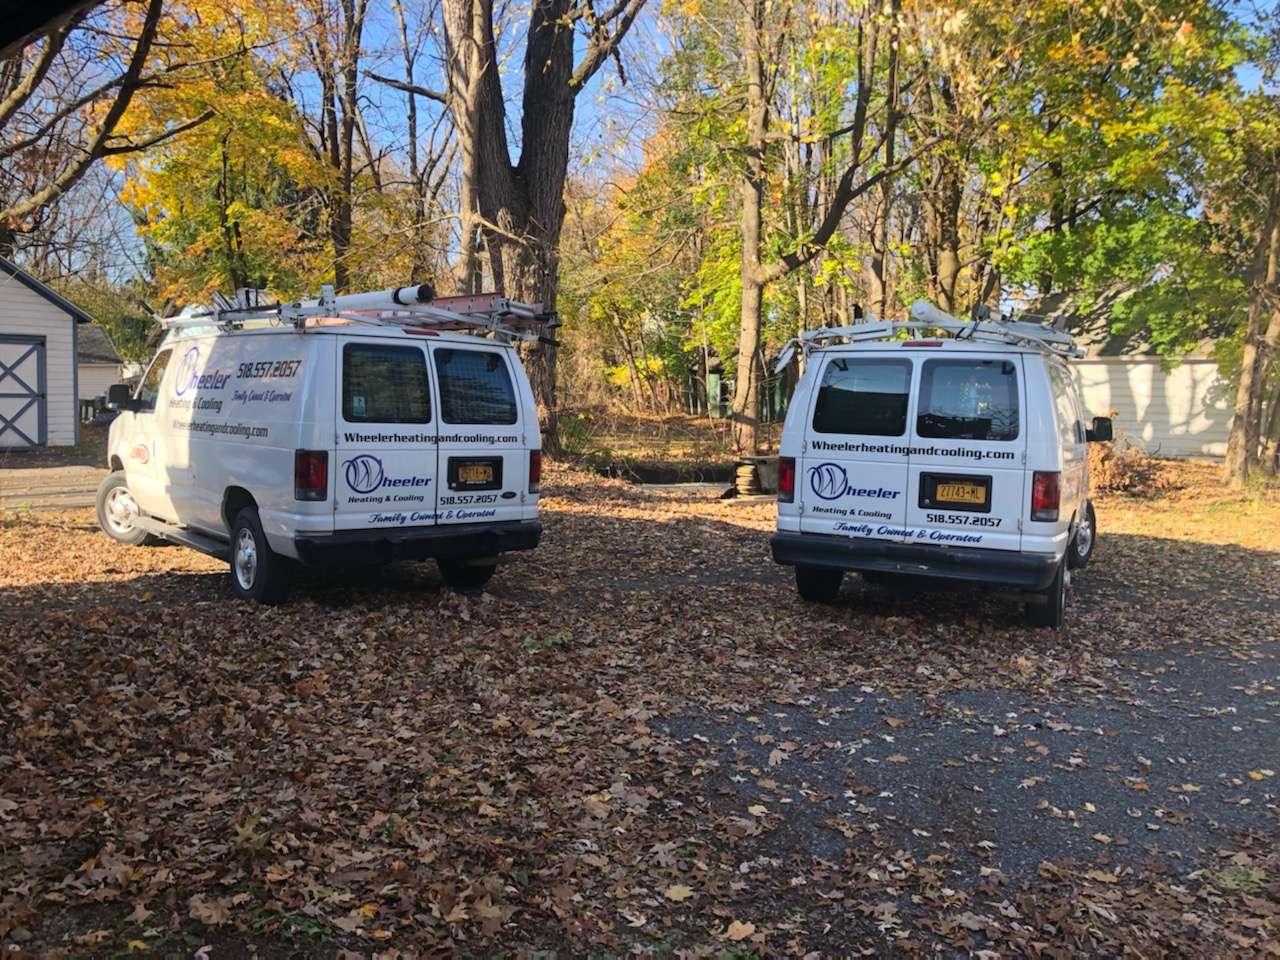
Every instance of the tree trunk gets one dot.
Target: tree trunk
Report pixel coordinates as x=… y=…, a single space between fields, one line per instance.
x=882 y=206
x=746 y=390
x=1271 y=437
x=946 y=212
x=1259 y=349
x=519 y=209
x=878 y=237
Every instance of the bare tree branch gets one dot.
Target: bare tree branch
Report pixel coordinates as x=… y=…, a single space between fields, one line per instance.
x=410 y=88
x=96 y=148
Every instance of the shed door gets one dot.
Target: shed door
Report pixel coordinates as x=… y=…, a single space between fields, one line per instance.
x=22 y=392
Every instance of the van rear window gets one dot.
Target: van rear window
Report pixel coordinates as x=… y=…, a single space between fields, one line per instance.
x=384 y=384
x=968 y=400
x=862 y=395
x=475 y=387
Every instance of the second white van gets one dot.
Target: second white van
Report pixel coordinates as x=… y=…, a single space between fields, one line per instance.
x=938 y=460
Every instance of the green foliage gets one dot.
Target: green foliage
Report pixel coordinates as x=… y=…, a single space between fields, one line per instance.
x=126 y=318
x=533 y=644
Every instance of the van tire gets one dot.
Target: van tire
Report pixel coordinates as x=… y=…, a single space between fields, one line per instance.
x=1051 y=612
x=257 y=573
x=117 y=510
x=818 y=584
x=464 y=576
x=1083 y=544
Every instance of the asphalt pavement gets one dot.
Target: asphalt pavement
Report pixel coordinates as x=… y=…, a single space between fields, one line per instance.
x=65 y=487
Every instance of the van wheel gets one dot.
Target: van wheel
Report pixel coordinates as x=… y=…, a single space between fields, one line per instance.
x=257 y=573
x=818 y=584
x=118 y=512
x=464 y=576
x=1085 y=541
x=1051 y=612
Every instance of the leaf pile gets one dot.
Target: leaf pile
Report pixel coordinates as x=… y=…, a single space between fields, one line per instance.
x=639 y=738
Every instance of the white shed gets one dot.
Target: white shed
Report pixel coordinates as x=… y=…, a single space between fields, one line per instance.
x=39 y=333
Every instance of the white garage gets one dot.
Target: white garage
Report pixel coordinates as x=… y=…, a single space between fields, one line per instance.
x=1179 y=409
x=39 y=389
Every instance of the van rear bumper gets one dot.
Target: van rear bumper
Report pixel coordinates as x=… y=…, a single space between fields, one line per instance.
x=1023 y=571
x=349 y=548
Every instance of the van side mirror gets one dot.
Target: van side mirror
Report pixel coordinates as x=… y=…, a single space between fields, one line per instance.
x=1101 y=431
x=120 y=397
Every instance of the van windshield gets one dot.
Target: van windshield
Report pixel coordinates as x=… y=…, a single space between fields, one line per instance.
x=384 y=384
x=968 y=400
x=863 y=396
x=475 y=387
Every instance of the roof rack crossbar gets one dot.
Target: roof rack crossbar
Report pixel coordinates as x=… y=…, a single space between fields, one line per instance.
x=412 y=306
x=927 y=316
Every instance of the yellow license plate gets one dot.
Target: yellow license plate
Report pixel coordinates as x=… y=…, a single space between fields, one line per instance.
x=962 y=492
x=475 y=473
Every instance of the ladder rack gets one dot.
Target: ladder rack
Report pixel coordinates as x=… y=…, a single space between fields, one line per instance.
x=1017 y=332
x=413 y=307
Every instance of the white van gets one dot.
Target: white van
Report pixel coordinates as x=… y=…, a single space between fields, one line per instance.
x=935 y=460
x=341 y=432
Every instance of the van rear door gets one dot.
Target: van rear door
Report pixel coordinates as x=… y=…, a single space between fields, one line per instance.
x=483 y=457
x=967 y=464
x=851 y=477
x=385 y=469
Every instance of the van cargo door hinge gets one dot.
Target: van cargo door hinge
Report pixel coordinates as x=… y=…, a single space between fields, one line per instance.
x=1024 y=458
x=1019 y=524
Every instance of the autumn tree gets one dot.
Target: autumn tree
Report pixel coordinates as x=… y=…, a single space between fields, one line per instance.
x=842 y=67
x=629 y=253
x=516 y=207
x=62 y=102
x=239 y=201
x=329 y=43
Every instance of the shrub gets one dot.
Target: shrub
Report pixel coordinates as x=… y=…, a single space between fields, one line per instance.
x=1124 y=466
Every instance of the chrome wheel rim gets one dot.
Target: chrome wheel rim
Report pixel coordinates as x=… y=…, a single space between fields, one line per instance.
x=1084 y=537
x=246 y=560
x=121 y=511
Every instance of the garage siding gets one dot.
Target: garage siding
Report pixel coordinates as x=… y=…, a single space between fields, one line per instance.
x=96 y=378
x=1182 y=412
x=23 y=312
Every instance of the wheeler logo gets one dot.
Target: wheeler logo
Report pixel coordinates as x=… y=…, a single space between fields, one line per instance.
x=188 y=379
x=187 y=367
x=364 y=473
x=828 y=481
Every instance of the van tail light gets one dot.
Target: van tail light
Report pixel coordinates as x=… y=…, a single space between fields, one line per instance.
x=310 y=474
x=786 y=479
x=535 y=471
x=1044 y=495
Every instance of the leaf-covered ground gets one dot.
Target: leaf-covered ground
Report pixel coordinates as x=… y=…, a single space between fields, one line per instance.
x=639 y=739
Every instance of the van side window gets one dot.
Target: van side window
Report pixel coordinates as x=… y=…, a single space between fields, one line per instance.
x=1070 y=427
x=864 y=396
x=968 y=400
x=150 y=387
x=475 y=387
x=384 y=384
